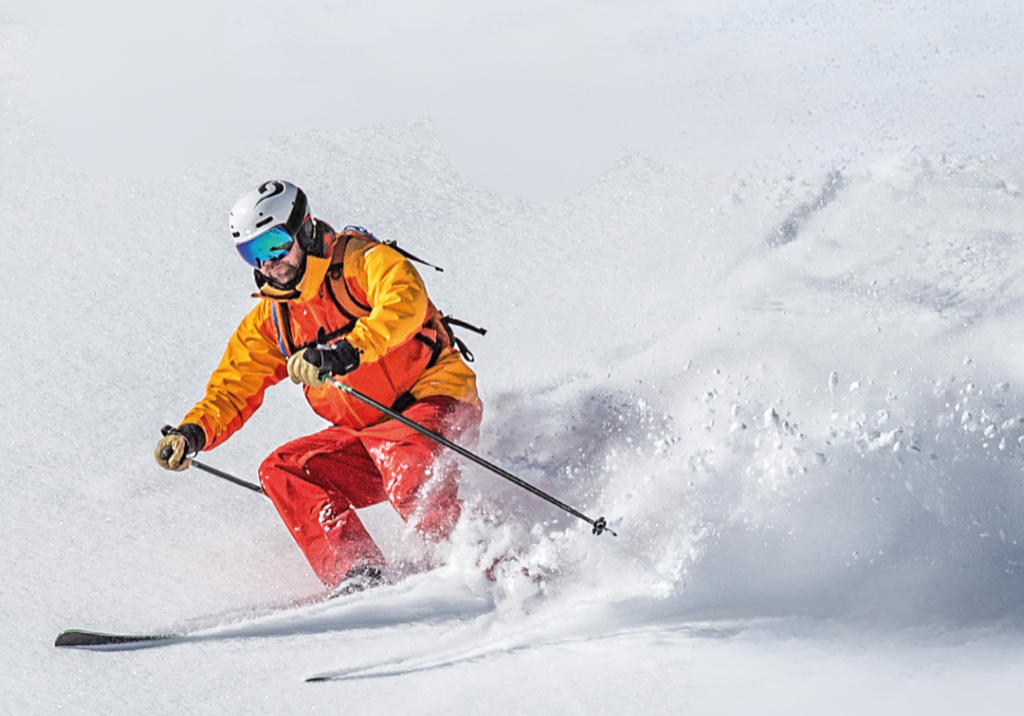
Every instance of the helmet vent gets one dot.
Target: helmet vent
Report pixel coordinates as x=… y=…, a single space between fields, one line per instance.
x=264 y=222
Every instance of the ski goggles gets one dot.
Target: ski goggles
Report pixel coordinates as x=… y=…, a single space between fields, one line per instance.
x=268 y=246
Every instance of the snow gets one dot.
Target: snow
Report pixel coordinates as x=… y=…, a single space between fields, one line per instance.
x=760 y=309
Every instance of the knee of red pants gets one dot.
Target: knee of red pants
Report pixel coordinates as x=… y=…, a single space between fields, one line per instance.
x=313 y=494
x=332 y=461
x=282 y=478
x=424 y=489
x=430 y=502
x=280 y=467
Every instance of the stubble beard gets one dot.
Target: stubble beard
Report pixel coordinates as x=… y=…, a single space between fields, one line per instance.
x=284 y=271
x=283 y=274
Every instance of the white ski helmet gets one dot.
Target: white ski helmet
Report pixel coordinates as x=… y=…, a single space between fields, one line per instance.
x=265 y=221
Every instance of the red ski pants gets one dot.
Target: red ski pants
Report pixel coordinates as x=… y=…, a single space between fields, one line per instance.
x=317 y=483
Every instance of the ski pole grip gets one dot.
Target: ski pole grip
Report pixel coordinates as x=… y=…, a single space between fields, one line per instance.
x=314 y=356
x=166 y=453
x=332 y=360
x=320 y=359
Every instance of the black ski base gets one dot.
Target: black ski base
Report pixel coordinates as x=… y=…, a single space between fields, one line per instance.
x=83 y=638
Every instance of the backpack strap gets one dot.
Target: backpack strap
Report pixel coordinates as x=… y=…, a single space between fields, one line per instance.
x=392 y=244
x=448 y=322
x=336 y=272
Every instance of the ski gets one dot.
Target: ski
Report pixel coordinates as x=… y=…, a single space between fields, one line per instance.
x=84 y=638
x=222 y=623
x=366 y=603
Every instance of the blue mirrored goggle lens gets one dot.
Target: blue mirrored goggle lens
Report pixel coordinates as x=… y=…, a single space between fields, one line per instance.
x=268 y=246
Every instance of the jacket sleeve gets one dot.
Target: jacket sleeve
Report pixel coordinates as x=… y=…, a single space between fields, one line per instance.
x=397 y=299
x=252 y=362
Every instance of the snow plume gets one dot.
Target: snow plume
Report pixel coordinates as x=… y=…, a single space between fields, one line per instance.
x=893 y=499
x=829 y=427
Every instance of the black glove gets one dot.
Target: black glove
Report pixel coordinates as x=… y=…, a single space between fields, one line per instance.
x=336 y=359
x=310 y=364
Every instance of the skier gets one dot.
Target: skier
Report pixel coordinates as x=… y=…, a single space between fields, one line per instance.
x=357 y=307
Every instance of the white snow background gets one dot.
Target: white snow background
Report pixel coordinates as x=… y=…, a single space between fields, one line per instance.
x=752 y=278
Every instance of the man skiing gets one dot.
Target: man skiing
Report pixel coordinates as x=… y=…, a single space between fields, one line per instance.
x=341 y=304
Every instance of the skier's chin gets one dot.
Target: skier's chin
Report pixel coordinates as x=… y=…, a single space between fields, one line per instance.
x=281 y=274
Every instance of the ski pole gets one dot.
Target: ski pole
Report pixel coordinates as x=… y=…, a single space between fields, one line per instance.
x=168 y=451
x=599 y=525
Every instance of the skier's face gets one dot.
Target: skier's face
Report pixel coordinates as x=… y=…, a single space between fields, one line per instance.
x=286 y=268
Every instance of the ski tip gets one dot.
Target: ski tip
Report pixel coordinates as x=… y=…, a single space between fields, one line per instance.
x=315 y=679
x=84 y=638
x=73 y=637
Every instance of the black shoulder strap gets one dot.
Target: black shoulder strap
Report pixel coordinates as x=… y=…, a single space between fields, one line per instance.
x=394 y=245
x=409 y=256
x=448 y=322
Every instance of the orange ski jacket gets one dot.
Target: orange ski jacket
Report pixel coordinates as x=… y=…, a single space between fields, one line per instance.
x=364 y=292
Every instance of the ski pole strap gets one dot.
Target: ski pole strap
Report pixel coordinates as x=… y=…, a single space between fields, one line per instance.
x=599 y=525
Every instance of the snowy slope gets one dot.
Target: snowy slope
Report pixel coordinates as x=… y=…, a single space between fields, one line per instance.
x=797 y=399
